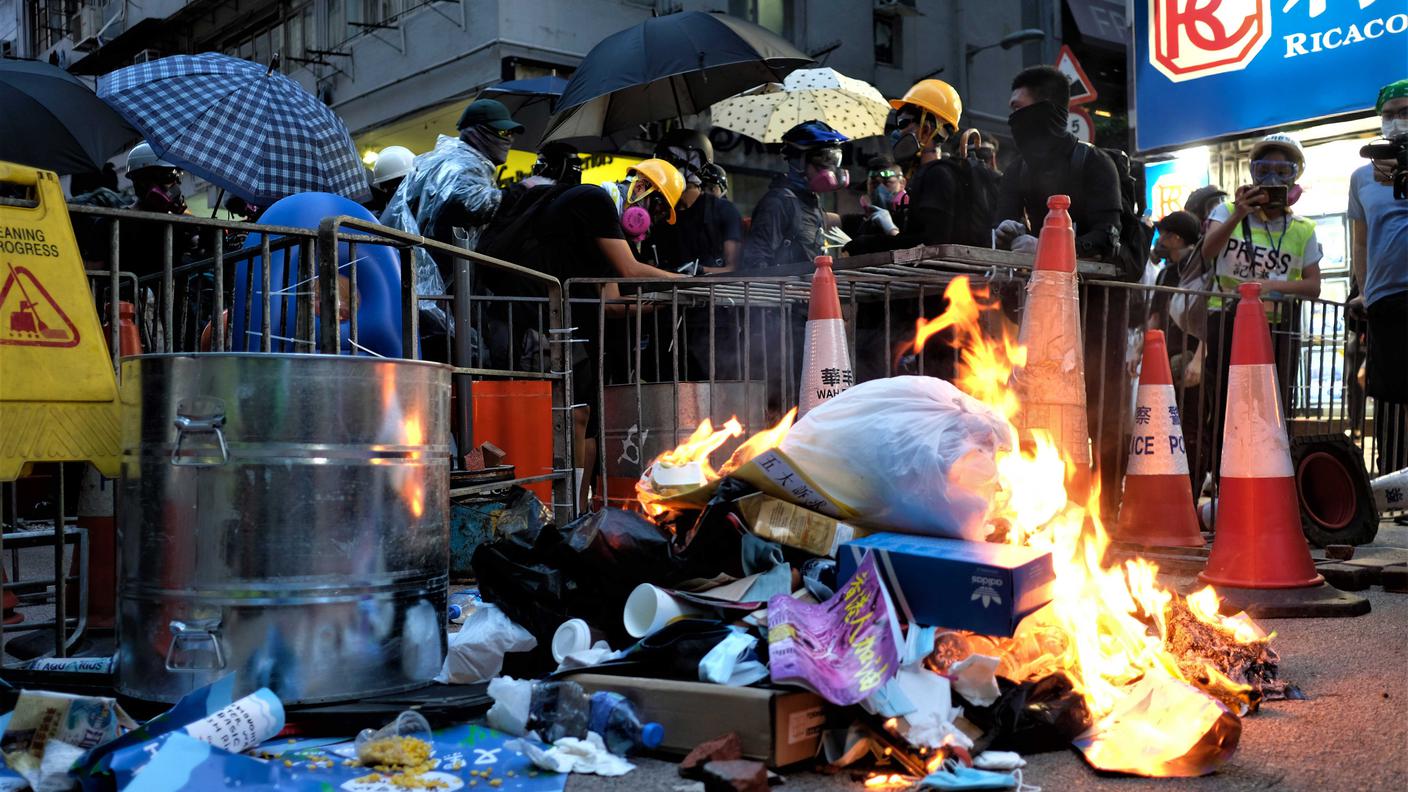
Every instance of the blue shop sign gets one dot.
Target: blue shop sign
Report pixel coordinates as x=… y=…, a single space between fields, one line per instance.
x=1206 y=69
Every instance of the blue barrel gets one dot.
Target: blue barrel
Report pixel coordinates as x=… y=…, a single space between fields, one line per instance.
x=378 y=282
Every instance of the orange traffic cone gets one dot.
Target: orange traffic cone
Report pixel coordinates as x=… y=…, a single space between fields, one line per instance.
x=12 y=616
x=1260 y=561
x=826 y=363
x=1052 y=382
x=1158 y=495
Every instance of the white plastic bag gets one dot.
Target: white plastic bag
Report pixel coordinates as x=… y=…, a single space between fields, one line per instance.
x=909 y=454
x=477 y=650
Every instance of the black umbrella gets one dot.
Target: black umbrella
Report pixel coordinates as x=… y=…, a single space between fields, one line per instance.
x=668 y=67
x=530 y=103
x=55 y=122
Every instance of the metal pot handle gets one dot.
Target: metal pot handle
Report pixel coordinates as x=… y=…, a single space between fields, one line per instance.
x=195 y=646
x=186 y=424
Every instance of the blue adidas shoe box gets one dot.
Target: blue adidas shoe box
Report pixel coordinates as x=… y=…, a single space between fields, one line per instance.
x=980 y=586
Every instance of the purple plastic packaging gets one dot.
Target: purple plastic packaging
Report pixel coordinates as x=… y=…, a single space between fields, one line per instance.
x=845 y=648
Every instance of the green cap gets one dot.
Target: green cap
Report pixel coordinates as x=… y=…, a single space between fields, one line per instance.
x=1394 y=90
x=489 y=112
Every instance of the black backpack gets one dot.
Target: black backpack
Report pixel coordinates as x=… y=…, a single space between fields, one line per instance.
x=978 y=186
x=1135 y=237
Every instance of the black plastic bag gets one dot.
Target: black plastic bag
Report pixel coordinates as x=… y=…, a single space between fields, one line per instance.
x=1033 y=717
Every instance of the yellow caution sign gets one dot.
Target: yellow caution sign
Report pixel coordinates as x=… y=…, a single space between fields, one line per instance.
x=58 y=395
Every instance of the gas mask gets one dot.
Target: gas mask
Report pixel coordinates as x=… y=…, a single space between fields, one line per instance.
x=827 y=174
x=635 y=221
x=164 y=195
x=1393 y=128
x=645 y=206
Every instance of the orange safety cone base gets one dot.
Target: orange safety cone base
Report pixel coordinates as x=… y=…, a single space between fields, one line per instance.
x=1251 y=548
x=1158 y=511
x=1312 y=602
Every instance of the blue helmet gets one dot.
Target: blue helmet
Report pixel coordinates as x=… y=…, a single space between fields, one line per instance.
x=812 y=135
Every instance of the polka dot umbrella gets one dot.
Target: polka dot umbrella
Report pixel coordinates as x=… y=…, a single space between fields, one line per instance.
x=852 y=107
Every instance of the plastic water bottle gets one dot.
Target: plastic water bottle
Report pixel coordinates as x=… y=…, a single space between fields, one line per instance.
x=614 y=718
x=559 y=709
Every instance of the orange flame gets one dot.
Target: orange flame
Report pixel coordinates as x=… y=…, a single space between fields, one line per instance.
x=1105 y=627
x=697 y=449
x=892 y=781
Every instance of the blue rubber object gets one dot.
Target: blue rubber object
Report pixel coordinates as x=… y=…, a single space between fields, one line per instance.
x=378 y=282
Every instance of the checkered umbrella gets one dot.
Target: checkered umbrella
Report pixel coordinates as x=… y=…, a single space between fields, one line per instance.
x=245 y=128
x=852 y=107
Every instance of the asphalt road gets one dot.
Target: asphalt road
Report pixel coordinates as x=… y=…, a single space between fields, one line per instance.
x=1351 y=735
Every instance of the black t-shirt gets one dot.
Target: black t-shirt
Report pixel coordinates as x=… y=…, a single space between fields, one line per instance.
x=934 y=197
x=567 y=232
x=699 y=234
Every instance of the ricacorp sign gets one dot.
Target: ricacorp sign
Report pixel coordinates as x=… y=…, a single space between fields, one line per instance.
x=1206 y=69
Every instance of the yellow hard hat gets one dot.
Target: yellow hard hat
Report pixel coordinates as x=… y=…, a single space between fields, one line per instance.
x=936 y=96
x=665 y=177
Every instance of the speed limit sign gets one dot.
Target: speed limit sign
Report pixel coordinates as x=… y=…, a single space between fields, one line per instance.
x=1080 y=125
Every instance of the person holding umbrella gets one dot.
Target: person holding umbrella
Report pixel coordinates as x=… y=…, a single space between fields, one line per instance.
x=788 y=223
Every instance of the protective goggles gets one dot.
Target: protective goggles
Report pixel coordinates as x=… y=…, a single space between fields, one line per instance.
x=884 y=174
x=1278 y=171
x=502 y=134
x=825 y=158
x=685 y=158
x=641 y=189
x=1401 y=114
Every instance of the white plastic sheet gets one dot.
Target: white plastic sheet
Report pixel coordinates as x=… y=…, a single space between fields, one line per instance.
x=911 y=454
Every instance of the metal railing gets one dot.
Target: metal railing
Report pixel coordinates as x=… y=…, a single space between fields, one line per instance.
x=669 y=353
x=192 y=281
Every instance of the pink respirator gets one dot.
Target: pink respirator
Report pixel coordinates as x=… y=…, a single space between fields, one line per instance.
x=635 y=221
x=829 y=180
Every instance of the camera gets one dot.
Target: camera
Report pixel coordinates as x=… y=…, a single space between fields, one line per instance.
x=1396 y=151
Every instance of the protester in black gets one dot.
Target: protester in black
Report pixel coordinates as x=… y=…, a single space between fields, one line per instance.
x=707 y=235
x=1051 y=163
x=788 y=222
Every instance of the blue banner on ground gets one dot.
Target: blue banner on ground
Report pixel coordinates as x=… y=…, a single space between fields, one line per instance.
x=1206 y=69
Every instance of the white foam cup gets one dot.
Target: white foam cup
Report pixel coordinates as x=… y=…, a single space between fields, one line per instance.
x=650 y=608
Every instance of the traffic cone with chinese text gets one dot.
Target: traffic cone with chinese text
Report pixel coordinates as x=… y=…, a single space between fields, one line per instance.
x=1260 y=561
x=826 y=362
x=1157 y=508
x=1051 y=383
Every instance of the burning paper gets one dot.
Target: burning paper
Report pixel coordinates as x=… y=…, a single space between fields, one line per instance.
x=845 y=648
x=1163 y=728
x=684 y=477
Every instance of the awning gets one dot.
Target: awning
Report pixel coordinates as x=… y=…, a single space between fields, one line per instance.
x=1101 y=20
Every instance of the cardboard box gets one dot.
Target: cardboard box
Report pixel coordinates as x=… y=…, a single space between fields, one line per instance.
x=980 y=586
x=779 y=727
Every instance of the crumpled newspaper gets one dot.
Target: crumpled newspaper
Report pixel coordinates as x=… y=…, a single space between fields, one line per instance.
x=47 y=732
x=571 y=755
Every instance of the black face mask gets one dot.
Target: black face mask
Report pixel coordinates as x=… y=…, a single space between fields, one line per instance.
x=1039 y=128
x=487 y=142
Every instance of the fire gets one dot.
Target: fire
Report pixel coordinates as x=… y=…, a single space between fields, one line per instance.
x=692 y=458
x=985 y=368
x=892 y=781
x=1105 y=627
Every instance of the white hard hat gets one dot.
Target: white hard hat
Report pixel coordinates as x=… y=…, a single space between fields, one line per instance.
x=1284 y=143
x=393 y=162
x=141 y=156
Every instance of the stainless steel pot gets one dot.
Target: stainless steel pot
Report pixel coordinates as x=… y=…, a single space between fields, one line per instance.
x=283 y=518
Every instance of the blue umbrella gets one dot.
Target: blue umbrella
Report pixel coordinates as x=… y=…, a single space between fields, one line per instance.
x=247 y=129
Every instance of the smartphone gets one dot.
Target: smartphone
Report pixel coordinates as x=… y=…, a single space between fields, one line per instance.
x=1275 y=195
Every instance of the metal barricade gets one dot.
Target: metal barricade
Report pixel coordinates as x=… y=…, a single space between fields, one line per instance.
x=665 y=352
x=180 y=273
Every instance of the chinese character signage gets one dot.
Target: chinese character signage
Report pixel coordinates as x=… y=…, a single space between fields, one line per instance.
x=1212 y=68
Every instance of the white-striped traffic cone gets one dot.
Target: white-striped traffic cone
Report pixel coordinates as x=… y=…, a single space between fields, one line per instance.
x=1260 y=561
x=826 y=363
x=1157 y=508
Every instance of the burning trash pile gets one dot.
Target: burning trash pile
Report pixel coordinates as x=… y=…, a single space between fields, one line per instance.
x=916 y=559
